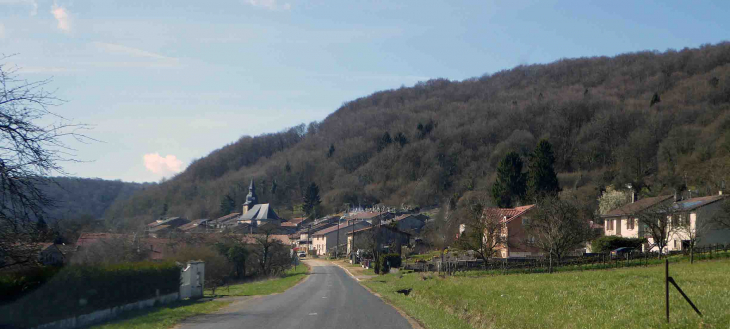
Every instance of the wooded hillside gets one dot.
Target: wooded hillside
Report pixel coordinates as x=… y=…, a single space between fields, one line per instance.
x=656 y=120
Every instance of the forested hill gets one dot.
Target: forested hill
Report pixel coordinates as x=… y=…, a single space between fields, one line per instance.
x=90 y=197
x=653 y=119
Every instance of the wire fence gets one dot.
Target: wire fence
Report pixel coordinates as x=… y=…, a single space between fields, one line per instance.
x=545 y=265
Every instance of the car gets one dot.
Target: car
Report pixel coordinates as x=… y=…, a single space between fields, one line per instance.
x=621 y=252
x=302 y=255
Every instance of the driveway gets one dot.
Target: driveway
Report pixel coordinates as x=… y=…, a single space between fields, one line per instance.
x=327 y=298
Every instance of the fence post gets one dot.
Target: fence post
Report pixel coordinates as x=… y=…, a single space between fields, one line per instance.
x=666 y=286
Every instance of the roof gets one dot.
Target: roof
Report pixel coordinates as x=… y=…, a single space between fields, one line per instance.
x=159 y=228
x=297 y=220
x=334 y=228
x=384 y=226
x=694 y=203
x=637 y=206
x=289 y=224
x=260 y=212
x=164 y=221
x=86 y=239
x=404 y=216
x=509 y=213
x=367 y=215
x=192 y=225
x=227 y=217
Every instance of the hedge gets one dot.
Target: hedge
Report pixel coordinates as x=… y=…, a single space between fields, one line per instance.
x=82 y=289
x=611 y=242
x=13 y=285
x=389 y=260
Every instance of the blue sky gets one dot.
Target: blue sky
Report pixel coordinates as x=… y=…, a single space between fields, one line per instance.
x=166 y=82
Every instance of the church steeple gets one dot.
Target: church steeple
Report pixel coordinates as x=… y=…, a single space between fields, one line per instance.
x=251 y=198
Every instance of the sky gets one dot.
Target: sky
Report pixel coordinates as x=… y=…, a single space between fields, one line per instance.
x=165 y=82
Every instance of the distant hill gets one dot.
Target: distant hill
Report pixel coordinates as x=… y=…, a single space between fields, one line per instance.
x=90 y=197
x=654 y=119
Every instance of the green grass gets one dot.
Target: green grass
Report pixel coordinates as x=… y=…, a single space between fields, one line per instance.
x=619 y=298
x=264 y=287
x=163 y=317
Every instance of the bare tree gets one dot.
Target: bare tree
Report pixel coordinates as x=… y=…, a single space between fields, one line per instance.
x=721 y=219
x=441 y=231
x=30 y=152
x=656 y=223
x=558 y=227
x=691 y=232
x=483 y=228
x=267 y=249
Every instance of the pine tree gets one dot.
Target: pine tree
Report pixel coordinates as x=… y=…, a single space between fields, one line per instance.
x=510 y=184
x=541 y=177
x=311 y=199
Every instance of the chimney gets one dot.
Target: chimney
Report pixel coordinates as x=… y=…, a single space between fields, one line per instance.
x=633 y=196
x=719 y=192
x=245 y=209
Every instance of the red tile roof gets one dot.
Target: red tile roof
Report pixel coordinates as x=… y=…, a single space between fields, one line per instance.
x=509 y=213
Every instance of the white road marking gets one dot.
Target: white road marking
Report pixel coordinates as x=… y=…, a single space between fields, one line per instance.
x=312 y=313
x=324 y=297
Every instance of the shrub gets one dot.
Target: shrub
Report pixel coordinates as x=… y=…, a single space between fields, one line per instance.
x=389 y=260
x=608 y=243
x=82 y=289
x=15 y=284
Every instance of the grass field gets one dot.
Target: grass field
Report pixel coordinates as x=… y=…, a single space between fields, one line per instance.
x=618 y=298
x=163 y=317
x=264 y=287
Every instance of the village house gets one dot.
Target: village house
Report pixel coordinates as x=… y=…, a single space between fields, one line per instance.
x=687 y=218
x=372 y=217
x=326 y=239
x=162 y=227
x=515 y=239
x=386 y=237
x=410 y=223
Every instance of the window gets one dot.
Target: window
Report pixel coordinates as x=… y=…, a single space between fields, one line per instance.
x=525 y=221
x=609 y=225
x=630 y=223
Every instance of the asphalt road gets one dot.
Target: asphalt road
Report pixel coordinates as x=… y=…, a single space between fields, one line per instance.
x=328 y=298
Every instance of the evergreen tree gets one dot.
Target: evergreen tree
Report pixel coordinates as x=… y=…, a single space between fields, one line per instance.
x=331 y=151
x=227 y=205
x=541 y=177
x=311 y=199
x=384 y=141
x=273 y=187
x=510 y=184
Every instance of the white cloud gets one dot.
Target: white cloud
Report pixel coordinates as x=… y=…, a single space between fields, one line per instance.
x=2 y=31
x=62 y=16
x=124 y=50
x=269 y=4
x=162 y=165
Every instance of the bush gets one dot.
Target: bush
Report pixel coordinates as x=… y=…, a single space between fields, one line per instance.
x=15 y=284
x=82 y=289
x=387 y=261
x=608 y=243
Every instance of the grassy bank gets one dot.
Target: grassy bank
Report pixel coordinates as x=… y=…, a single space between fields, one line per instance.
x=619 y=298
x=264 y=287
x=163 y=317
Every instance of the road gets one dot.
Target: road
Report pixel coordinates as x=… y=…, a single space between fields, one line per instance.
x=328 y=298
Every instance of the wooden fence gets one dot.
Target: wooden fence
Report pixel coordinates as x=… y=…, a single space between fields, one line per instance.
x=545 y=265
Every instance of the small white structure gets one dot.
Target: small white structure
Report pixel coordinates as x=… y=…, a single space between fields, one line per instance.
x=192 y=277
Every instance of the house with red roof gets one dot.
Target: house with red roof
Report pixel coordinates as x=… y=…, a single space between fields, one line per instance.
x=516 y=240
